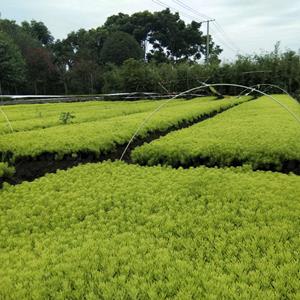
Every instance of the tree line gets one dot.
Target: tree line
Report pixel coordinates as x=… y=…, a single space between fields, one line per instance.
x=148 y=52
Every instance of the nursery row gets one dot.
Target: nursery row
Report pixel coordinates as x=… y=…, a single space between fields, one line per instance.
x=105 y=135
x=261 y=133
x=117 y=231
x=35 y=116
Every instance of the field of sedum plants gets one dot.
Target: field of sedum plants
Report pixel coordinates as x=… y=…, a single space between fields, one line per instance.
x=115 y=230
x=118 y=231
x=104 y=135
x=41 y=116
x=260 y=133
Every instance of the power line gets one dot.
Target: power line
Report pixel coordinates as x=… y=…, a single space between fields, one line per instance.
x=216 y=24
x=182 y=4
x=220 y=28
x=223 y=41
x=218 y=33
x=207 y=52
x=170 y=7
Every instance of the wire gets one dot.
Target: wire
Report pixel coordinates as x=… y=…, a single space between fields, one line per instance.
x=170 y=7
x=182 y=4
x=218 y=26
x=223 y=41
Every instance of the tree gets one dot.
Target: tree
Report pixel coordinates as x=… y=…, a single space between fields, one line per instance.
x=138 y=76
x=40 y=67
x=167 y=78
x=84 y=45
x=39 y=31
x=170 y=38
x=20 y=37
x=112 y=80
x=78 y=60
x=38 y=59
x=85 y=78
x=119 y=47
x=139 y=25
x=11 y=64
x=63 y=56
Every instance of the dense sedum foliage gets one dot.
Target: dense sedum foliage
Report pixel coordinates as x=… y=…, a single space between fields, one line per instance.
x=117 y=231
x=261 y=133
x=35 y=116
x=104 y=135
x=5 y=170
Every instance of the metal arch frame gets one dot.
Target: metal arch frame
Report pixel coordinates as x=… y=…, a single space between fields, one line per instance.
x=269 y=85
x=7 y=120
x=203 y=86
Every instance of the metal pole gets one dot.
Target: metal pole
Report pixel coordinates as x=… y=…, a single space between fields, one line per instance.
x=207 y=43
x=207 y=39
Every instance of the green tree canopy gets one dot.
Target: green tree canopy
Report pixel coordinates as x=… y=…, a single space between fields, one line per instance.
x=39 y=31
x=11 y=63
x=170 y=38
x=119 y=47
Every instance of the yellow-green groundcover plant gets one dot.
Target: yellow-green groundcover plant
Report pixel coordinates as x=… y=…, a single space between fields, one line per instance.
x=5 y=170
x=102 y=136
x=35 y=116
x=117 y=231
x=260 y=133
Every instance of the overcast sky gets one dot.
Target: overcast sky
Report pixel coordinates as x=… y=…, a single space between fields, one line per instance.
x=250 y=26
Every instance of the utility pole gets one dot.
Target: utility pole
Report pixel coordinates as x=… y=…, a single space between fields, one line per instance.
x=207 y=39
x=145 y=49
